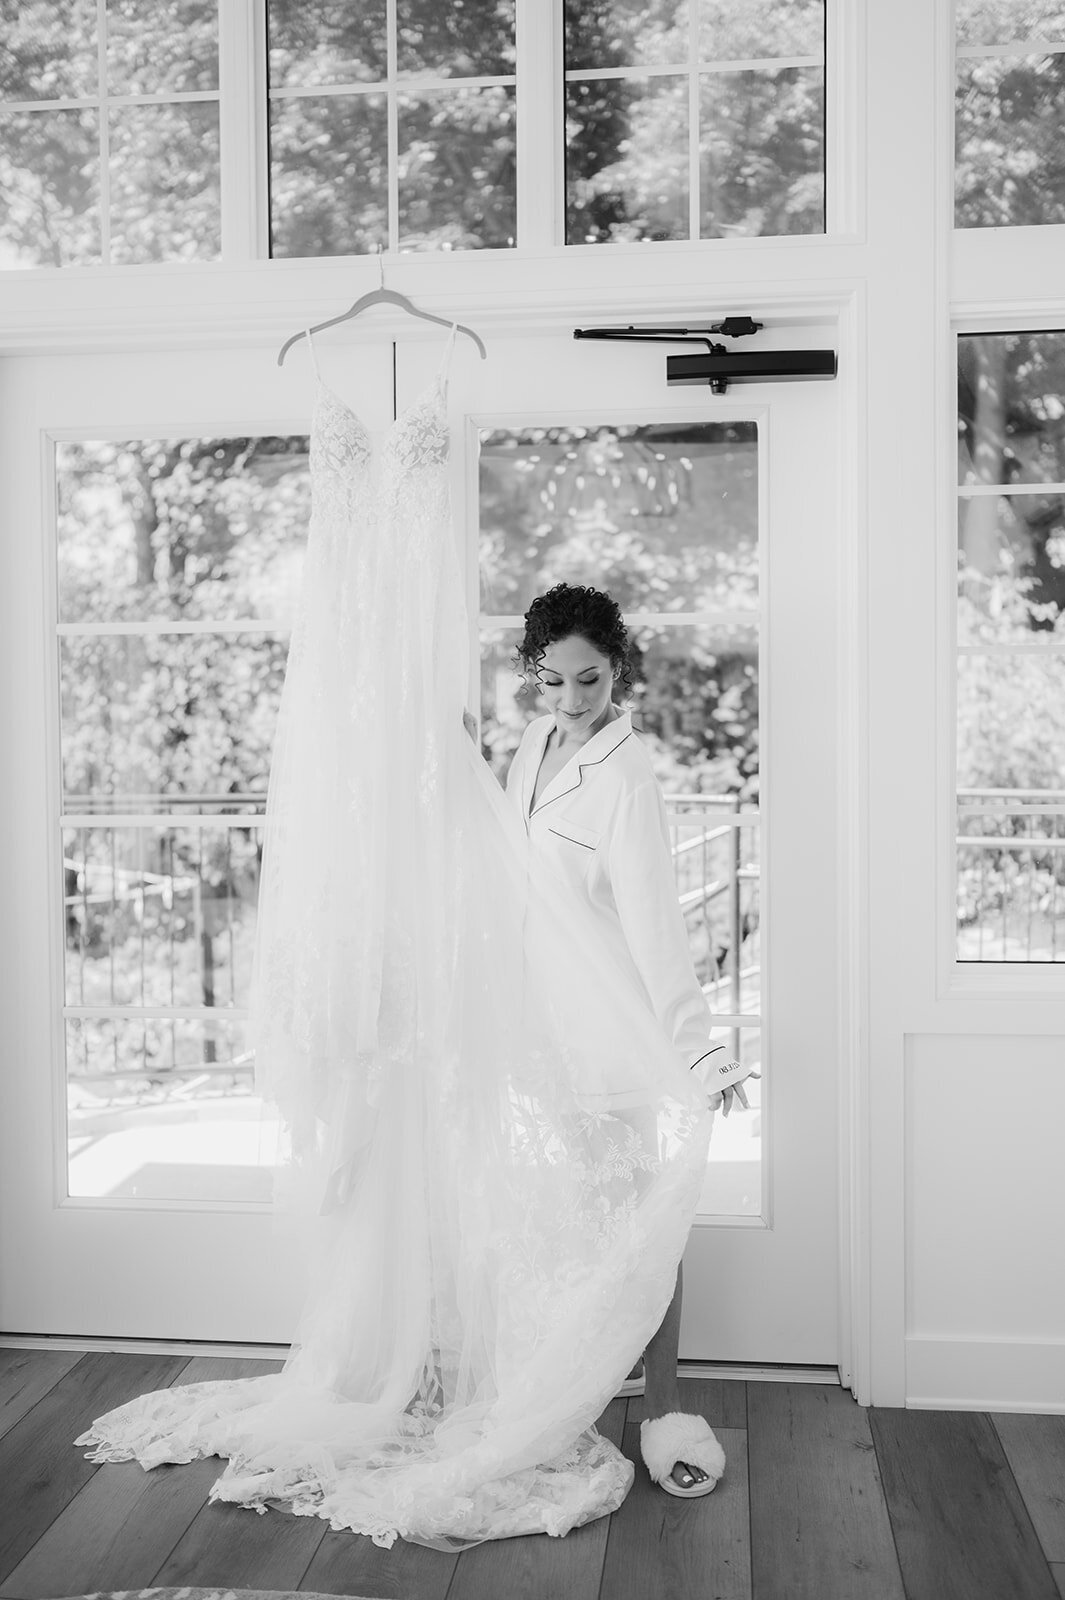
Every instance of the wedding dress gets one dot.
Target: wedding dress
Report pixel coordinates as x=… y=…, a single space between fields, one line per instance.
x=496 y=1151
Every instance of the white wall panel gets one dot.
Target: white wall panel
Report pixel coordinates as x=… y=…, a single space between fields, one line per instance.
x=985 y=1197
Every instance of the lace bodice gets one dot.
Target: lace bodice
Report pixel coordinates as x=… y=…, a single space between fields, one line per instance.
x=341 y=443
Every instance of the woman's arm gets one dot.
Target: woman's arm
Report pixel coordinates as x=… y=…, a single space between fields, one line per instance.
x=640 y=865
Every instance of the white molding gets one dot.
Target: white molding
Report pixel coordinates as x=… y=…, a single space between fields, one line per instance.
x=541 y=179
x=972 y=1374
x=1044 y=312
x=280 y=1352
x=223 y=305
x=852 y=712
x=242 y=134
x=846 y=132
x=1003 y=269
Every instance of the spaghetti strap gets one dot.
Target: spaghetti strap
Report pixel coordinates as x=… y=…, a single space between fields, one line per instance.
x=314 y=358
x=445 y=364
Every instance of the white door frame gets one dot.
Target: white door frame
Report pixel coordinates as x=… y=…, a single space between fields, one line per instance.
x=20 y=646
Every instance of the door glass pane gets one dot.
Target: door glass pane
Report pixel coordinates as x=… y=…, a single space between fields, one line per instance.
x=169 y=551
x=181 y=529
x=670 y=510
x=665 y=518
x=160 y=1109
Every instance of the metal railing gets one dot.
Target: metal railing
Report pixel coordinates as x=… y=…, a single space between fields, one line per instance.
x=717 y=889
x=1011 y=880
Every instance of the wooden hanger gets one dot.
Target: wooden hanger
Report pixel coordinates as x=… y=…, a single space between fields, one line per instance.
x=381 y=297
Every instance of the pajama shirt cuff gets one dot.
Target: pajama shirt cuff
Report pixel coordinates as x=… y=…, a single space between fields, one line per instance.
x=716 y=1070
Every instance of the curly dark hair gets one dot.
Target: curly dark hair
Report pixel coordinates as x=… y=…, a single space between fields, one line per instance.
x=570 y=608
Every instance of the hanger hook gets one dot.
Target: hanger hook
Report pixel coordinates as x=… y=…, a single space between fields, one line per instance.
x=381 y=268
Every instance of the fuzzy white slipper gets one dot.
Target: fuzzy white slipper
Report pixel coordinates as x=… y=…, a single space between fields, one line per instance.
x=680 y=1436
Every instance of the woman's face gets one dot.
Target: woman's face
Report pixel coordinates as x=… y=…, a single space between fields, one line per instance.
x=576 y=682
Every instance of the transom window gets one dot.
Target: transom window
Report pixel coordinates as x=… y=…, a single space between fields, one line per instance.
x=109 y=132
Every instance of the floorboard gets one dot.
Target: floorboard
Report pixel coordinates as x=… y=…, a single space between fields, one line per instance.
x=977 y=1506
x=819 y=1526
x=350 y=1563
x=121 y=1527
x=40 y=1467
x=664 y=1548
x=961 y=1526
x=538 y=1568
x=1035 y=1450
x=26 y=1377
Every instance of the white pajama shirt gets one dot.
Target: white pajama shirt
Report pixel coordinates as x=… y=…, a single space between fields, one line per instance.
x=600 y=825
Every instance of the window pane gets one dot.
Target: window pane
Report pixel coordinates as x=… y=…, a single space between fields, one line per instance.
x=164 y=169
x=159 y=45
x=1011 y=721
x=160 y=916
x=1011 y=895
x=762 y=152
x=1011 y=762
x=1011 y=410
x=163 y=1110
x=457 y=169
x=49 y=188
x=49 y=51
x=188 y=528
x=326 y=41
x=329 y=175
x=760 y=140
x=1009 y=112
x=623 y=33
x=1011 y=568
x=475 y=39
x=761 y=29
x=995 y=22
x=147 y=717
x=626 y=159
x=669 y=510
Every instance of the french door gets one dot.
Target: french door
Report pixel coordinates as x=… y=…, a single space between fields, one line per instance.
x=162 y=502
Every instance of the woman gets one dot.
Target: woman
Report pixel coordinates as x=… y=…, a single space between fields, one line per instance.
x=592 y=808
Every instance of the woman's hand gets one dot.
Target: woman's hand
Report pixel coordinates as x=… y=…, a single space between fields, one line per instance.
x=469 y=722
x=724 y=1097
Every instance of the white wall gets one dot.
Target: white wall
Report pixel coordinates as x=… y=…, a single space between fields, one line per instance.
x=985 y=1194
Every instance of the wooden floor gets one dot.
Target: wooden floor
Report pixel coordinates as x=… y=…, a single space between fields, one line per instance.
x=820 y=1499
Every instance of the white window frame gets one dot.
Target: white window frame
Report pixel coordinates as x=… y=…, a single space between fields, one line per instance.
x=998 y=280
x=244 y=292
